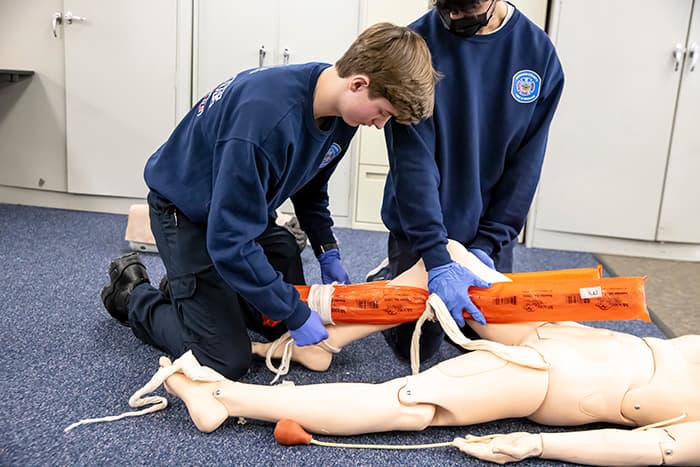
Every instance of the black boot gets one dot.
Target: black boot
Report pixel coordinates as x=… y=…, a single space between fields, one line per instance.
x=125 y=273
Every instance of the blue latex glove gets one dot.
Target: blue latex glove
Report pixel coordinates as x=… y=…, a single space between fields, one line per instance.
x=332 y=269
x=451 y=283
x=483 y=257
x=311 y=332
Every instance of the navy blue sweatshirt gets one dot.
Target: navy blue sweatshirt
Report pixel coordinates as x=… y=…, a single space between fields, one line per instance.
x=469 y=173
x=243 y=150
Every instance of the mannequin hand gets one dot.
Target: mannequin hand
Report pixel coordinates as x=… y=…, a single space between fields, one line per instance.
x=483 y=257
x=311 y=332
x=512 y=447
x=451 y=283
x=332 y=269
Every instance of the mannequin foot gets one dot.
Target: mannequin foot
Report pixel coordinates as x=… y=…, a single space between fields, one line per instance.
x=313 y=357
x=206 y=411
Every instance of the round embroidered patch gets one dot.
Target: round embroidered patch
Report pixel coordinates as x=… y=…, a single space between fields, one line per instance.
x=332 y=153
x=526 y=86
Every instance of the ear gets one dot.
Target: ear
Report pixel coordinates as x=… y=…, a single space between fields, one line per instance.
x=358 y=82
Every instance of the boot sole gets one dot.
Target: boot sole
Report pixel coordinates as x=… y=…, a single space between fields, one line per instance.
x=108 y=292
x=107 y=300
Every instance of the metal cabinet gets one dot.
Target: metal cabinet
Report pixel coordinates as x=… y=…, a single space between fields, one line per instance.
x=678 y=221
x=120 y=91
x=624 y=143
x=106 y=92
x=32 y=110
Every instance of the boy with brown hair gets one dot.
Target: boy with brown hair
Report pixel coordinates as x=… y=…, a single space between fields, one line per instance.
x=266 y=135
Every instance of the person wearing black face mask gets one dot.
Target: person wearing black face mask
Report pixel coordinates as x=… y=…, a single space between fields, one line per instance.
x=465 y=25
x=477 y=160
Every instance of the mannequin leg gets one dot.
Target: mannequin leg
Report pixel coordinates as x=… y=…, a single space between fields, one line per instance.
x=472 y=388
x=477 y=387
x=315 y=357
x=320 y=408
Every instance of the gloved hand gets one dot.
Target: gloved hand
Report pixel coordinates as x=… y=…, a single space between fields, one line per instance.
x=311 y=332
x=332 y=269
x=483 y=257
x=451 y=283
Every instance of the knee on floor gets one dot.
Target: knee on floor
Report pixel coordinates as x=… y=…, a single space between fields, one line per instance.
x=233 y=366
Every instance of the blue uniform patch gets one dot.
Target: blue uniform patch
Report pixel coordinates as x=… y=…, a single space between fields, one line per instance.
x=202 y=105
x=332 y=153
x=219 y=91
x=526 y=86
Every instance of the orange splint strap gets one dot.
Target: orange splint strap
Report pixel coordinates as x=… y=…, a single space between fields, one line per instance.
x=563 y=295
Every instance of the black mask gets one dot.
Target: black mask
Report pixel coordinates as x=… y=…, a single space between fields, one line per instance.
x=467 y=26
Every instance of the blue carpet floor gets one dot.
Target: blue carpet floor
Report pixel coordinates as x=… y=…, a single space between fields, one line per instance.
x=65 y=359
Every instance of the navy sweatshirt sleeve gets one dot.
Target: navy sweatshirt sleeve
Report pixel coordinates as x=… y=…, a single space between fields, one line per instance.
x=311 y=206
x=414 y=179
x=238 y=215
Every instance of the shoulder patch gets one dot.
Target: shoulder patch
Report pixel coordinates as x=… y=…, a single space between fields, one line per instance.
x=526 y=86
x=219 y=92
x=202 y=105
x=332 y=153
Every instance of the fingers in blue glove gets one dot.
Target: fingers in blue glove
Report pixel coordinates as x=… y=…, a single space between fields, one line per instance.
x=472 y=309
x=332 y=269
x=311 y=332
x=475 y=313
x=483 y=257
x=451 y=283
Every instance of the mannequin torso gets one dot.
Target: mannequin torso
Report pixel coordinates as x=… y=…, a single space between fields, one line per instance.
x=673 y=389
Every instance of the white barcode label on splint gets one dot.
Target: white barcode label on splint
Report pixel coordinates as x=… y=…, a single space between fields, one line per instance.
x=591 y=292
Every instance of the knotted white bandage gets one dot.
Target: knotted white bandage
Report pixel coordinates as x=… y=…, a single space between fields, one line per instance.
x=320 y=297
x=186 y=364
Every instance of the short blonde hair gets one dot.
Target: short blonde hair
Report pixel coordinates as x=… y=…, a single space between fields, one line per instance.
x=399 y=66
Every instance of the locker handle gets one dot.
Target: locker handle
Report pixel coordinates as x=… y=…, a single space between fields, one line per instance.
x=56 y=19
x=261 y=56
x=693 y=53
x=678 y=56
x=375 y=176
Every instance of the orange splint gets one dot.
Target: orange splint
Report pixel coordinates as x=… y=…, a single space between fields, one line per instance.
x=561 y=295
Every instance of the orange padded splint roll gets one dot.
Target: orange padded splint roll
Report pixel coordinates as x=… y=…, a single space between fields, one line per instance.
x=578 y=299
x=566 y=295
x=374 y=302
x=577 y=273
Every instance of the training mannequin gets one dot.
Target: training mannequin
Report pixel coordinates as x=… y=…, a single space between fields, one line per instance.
x=580 y=375
x=595 y=375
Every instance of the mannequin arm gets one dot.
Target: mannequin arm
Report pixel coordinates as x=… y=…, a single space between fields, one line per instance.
x=672 y=445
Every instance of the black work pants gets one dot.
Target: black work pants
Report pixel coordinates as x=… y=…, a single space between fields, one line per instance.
x=204 y=314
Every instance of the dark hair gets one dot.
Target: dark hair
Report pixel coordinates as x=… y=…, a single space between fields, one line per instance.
x=457 y=5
